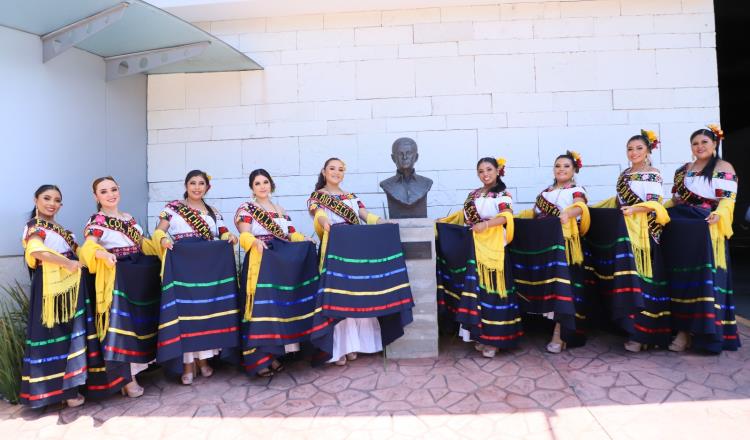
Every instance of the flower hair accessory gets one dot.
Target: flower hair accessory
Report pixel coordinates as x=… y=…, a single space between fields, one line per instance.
x=501 y=165
x=653 y=141
x=208 y=176
x=717 y=131
x=576 y=158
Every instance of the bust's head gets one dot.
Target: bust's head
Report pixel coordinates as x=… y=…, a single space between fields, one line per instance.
x=404 y=153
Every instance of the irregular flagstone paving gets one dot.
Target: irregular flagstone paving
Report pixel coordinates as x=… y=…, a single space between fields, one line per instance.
x=599 y=391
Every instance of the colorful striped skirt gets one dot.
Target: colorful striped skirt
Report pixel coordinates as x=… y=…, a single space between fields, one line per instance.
x=636 y=304
x=284 y=305
x=701 y=293
x=199 y=301
x=490 y=318
x=543 y=280
x=54 y=360
x=364 y=276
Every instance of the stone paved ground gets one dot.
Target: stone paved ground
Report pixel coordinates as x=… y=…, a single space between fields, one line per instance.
x=595 y=392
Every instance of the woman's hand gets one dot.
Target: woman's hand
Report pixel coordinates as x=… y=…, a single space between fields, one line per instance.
x=481 y=226
x=109 y=258
x=564 y=217
x=259 y=245
x=325 y=223
x=166 y=243
x=713 y=219
x=232 y=239
x=627 y=210
x=73 y=265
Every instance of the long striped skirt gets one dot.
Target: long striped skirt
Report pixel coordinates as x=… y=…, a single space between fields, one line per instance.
x=542 y=277
x=133 y=321
x=54 y=360
x=199 y=301
x=701 y=293
x=491 y=318
x=364 y=276
x=284 y=304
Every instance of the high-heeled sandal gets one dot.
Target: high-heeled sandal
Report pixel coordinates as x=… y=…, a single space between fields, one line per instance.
x=132 y=390
x=205 y=369
x=681 y=342
x=633 y=346
x=266 y=372
x=341 y=362
x=556 y=345
x=351 y=356
x=76 y=401
x=188 y=377
x=489 y=352
x=277 y=366
x=479 y=347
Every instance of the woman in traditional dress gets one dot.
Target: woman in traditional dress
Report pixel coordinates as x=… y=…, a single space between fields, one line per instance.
x=186 y=220
x=566 y=200
x=330 y=205
x=54 y=361
x=696 y=251
x=492 y=318
x=127 y=293
x=639 y=196
x=260 y=221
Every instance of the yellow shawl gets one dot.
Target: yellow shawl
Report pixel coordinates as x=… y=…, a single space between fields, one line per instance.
x=60 y=288
x=722 y=231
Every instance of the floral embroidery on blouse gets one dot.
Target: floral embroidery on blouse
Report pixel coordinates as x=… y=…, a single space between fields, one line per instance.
x=725 y=194
x=717 y=175
x=96 y=232
x=39 y=232
x=580 y=195
x=645 y=177
x=653 y=198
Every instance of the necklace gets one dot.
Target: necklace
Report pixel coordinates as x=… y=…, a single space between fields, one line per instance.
x=202 y=210
x=271 y=209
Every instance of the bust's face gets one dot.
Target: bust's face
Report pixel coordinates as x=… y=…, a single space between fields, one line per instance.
x=405 y=155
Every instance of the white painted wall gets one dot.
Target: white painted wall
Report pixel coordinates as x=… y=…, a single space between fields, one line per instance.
x=61 y=123
x=524 y=80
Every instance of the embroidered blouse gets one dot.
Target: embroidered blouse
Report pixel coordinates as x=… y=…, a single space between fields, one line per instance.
x=562 y=197
x=243 y=216
x=490 y=204
x=646 y=185
x=50 y=238
x=111 y=240
x=349 y=199
x=723 y=185
x=179 y=228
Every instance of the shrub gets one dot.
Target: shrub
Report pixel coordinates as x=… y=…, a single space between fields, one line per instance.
x=14 y=312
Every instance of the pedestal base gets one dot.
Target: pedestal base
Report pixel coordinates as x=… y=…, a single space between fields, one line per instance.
x=421 y=336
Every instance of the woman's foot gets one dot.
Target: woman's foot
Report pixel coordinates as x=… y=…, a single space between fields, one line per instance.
x=276 y=366
x=206 y=370
x=633 y=346
x=188 y=374
x=681 y=342
x=77 y=401
x=266 y=372
x=489 y=352
x=479 y=347
x=351 y=356
x=556 y=344
x=132 y=390
x=341 y=362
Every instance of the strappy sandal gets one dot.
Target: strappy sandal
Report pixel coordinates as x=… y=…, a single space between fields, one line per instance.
x=277 y=367
x=266 y=372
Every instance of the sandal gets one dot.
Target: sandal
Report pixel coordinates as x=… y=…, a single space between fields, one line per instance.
x=489 y=352
x=341 y=362
x=76 y=401
x=633 y=346
x=266 y=372
x=277 y=367
x=681 y=342
x=351 y=356
x=132 y=390
x=556 y=345
x=206 y=370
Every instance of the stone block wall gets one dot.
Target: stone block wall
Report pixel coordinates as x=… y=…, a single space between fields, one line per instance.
x=524 y=80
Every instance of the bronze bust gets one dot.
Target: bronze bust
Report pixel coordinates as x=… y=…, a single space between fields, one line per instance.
x=406 y=191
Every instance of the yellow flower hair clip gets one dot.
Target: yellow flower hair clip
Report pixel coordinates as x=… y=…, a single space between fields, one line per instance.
x=653 y=140
x=208 y=176
x=717 y=131
x=576 y=158
x=501 y=165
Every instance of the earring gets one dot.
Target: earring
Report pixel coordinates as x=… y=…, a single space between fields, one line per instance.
x=36 y=212
x=714 y=153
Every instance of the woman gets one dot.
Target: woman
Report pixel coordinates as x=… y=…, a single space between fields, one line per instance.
x=54 y=361
x=193 y=220
x=565 y=200
x=493 y=318
x=127 y=292
x=639 y=196
x=696 y=252
x=330 y=205
x=259 y=223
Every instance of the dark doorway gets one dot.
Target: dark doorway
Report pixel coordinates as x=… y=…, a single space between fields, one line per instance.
x=733 y=55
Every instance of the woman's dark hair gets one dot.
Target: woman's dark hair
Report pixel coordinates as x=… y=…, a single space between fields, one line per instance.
x=321 y=178
x=204 y=175
x=499 y=185
x=708 y=170
x=97 y=181
x=38 y=192
x=261 y=172
x=642 y=138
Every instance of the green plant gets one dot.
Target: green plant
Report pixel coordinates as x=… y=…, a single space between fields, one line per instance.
x=14 y=312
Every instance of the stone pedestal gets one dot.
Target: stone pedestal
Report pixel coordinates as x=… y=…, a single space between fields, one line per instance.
x=421 y=337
